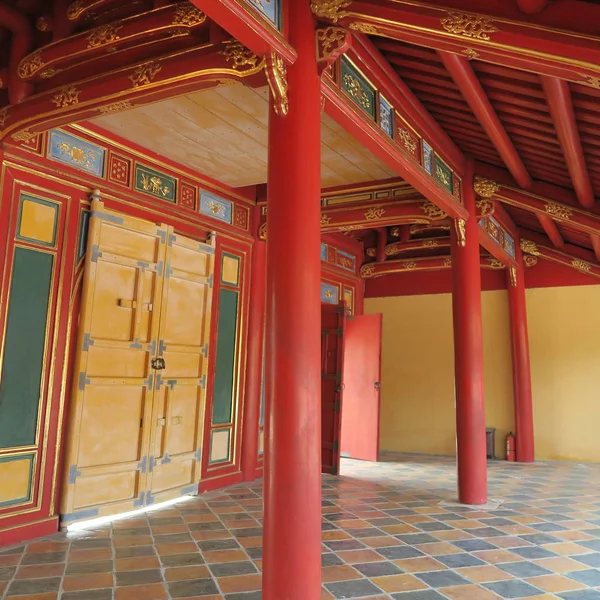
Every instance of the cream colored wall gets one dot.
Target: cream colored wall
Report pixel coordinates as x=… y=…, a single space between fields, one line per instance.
x=417 y=411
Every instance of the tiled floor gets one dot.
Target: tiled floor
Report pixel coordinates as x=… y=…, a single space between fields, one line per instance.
x=385 y=535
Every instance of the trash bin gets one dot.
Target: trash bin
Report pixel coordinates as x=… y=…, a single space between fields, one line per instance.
x=490 y=442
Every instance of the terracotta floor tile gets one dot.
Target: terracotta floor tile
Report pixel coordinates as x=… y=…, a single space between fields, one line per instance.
x=254 y=542
x=9 y=560
x=223 y=556
x=484 y=574
x=561 y=564
x=339 y=573
x=335 y=535
x=420 y=565
x=438 y=548
x=399 y=583
x=397 y=529
x=137 y=563
x=88 y=582
x=220 y=534
x=572 y=535
x=517 y=529
x=453 y=535
x=181 y=548
x=239 y=583
x=497 y=556
x=37 y=571
x=90 y=555
x=183 y=573
x=164 y=529
x=156 y=591
x=555 y=583
x=567 y=549
x=465 y=524
x=416 y=519
x=47 y=546
x=381 y=542
x=49 y=596
x=325 y=595
x=468 y=592
x=359 y=556
x=507 y=541
x=136 y=540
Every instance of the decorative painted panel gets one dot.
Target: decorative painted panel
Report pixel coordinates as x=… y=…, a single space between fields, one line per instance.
x=443 y=173
x=457 y=188
x=152 y=182
x=493 y=229
x=119 y=169
x=220 y=446
x=223 y=397
x=358 y=87
x=215 y=207
x=240 y=216
x=349 y=300
x=329 y=293
x=38 y=220
x=16 y=474
x=230 y=269
x=323 y=252
x=345 y=260
x=76 y=152
x=427 y=157
x=24 y=347
x=408 y=138
x=386 y=116
x=188 y=195
x=509 y=244
x=270 y=8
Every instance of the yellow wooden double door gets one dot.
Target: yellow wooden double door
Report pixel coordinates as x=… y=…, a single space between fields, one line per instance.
x=137 y=412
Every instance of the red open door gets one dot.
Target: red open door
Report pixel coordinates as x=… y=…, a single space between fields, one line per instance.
x=333 y=319
x=362 y=373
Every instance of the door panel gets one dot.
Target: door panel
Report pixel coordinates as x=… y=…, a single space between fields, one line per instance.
x=362 y=368
x=332 y=345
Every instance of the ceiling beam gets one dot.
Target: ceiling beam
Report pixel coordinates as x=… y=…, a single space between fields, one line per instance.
x=560 y=102
x=464 y=77
x=596 y=245
x=396 y=248
x=531 y=7
x=551 y=230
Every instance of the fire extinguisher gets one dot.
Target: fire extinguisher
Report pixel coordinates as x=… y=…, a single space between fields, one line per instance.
x=511 y=451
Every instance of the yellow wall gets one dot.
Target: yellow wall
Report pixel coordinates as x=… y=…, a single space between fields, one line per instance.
x=417 y=411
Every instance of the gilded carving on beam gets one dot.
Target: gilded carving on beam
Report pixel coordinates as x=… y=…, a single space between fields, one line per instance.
x=41 y=24
x=448 y=261
x=469 y=25
x=529 y=247
x=433 y=211
x=30 y=65
x=485 y=188
x=558 y=211
x=49 y=73
x=374 y=213
x=513 y=276
x=470 y=53
x=461 y=232
x=409 y=264
x=330 y=9
x=367 y=28
x=486 y=207
x=530 y=261
x=367 y=271
x=240 y=56
x=145 y=74
x=276 y=72
x=590 y=81
x=23 y=136
x=81 y=156
x=395 y=232
x=354 y=88
x=105 y=34
x=390 y=250
x=75 y=9
x=407 y=140
x=350 y=227
x=429 y=243
x=68 y=96
x=188 y=14
x=330 y=40
x=581 y=265
x=373 y=251
x=262 y=232
x=325 y=219
x=495 y=263
x=3 y=116
x=115 y=107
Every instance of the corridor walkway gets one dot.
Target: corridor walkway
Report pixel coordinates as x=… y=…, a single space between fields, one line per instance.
x=385 y=535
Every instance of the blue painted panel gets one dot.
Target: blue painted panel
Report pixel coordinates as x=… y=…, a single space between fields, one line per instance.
x=509 y=244
x=427 y=157
x=386 y=116
x=75 y=152
x=270 y=8
x=215 y=207
x=329 y=293
x=323 y=251
x=347 y=261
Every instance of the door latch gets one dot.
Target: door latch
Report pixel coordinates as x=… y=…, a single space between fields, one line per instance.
x=377 y=385
x=158 y=364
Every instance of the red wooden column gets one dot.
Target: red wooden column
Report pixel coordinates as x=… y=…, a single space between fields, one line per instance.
x=468 y=355
x=520 y=360
x=292 y=524
x=256 y=328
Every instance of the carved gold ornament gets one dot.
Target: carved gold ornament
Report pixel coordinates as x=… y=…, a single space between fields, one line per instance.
x=448 y=261
x=154 y=185
x=115 y=107
x=409 y=264
x=433 y=211
x=513 y=276
x=372 y=251
x=470 y=53
x=330 y=9
x=41 y=24
x=530 y=261
x=278 y=84
x=329 y=40
x=325 y=219
x=23 y=136
x=390 y=249
x=68 y=96
x=591 y=81
x=495 y=263
x=367 y=270
x=30 y=64
x=81 y=156
x=461 y=232
x=262 y=232
x=145 y=74
x=188 y=14
x=395 y=232
x=581 y=265
x=354 y=88
x=49 y=73
x=367 y=28
x=469 y=25
x=486 y=207
x=485 y=188
x=240 y=56
x=407 y=140
x=350 y=227
x=374 y=213
x=430 y=243
x=558 y=211
x=529 y=247
x=105 y=34
x=75 y=10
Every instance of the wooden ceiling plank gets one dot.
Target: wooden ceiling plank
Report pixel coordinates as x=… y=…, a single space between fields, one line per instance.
x=551 y=230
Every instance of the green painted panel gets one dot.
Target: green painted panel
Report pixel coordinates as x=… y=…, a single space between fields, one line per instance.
x=443 y=173
x=24 y=347
x=225 y=357
x=155 y=183
x=358 y=88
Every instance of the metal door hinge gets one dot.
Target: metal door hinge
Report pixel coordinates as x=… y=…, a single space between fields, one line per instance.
x=158 y=363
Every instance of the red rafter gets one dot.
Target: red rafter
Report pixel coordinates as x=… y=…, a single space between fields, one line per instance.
x=551 y=230
x=532 y=6
x=561 y=107
x=463 y=75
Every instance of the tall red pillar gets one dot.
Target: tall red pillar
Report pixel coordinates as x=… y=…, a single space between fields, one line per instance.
x=292 y=523
x=520 y=360
x=254 y=362
x=468 y=355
